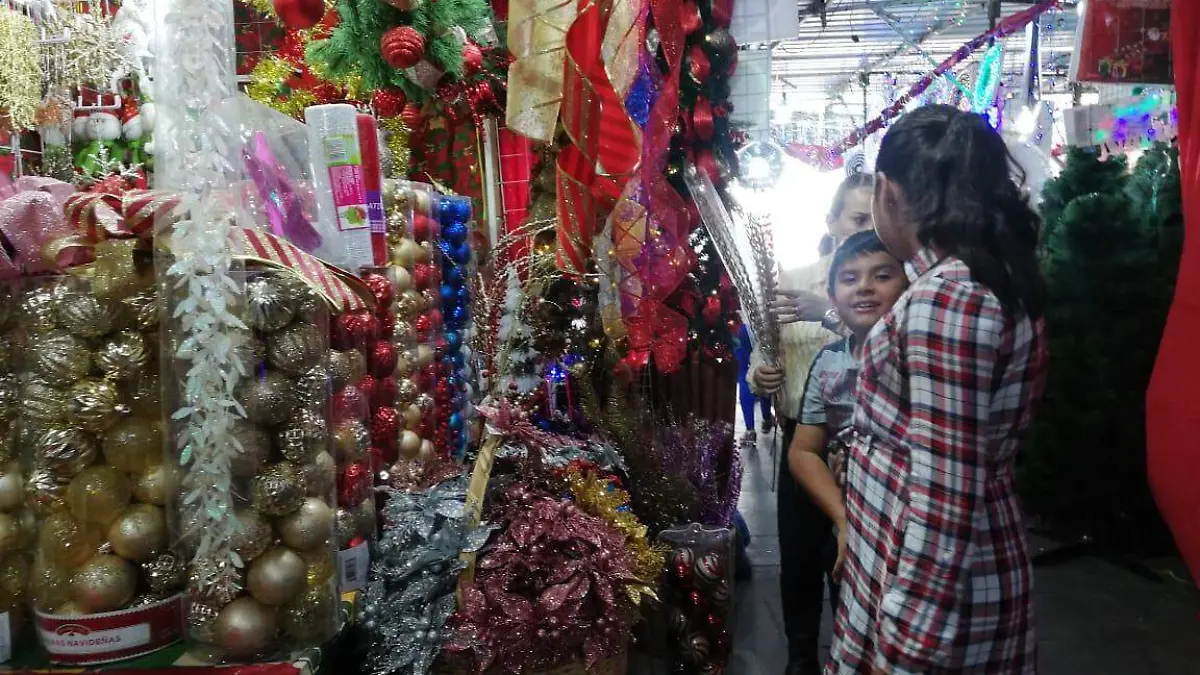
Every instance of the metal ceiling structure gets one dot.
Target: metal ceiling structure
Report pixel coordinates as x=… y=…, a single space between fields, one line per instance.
x=844 y=43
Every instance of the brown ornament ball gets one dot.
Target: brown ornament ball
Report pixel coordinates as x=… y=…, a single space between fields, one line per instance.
x=406 y=392
x=255 y=537
x=269 y=398
x=60 y=357
x=251 y=352
x=350 y=441
x=201 y=622
x=312 y=388
x=142 y=310
x=245 y=628
x=134 y=445
x=49 y=584
x=104 y=583
x=277 y=490
x=46 y=491
x=276 y=576
x=84 y=315
x=309 y=527
x=12 y=534
x=37 y=309
x=98 y=494
x=306 y=435
x=139 y=532
x=142 y=391
x=94 y=405
x=296 y=348
x=346 y=367
x=12 y=487
x=155 y=485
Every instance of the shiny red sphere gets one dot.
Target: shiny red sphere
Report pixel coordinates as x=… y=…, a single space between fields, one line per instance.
x=354 y=484
x=382 y=359
x=349 y=403
x=423 y=275
x=381 y=290
x=385 y=425
x=354 y=329
x=385 y=392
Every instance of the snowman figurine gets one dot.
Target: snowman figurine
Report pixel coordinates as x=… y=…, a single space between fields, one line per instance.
x=103 y=148
x=135 y=127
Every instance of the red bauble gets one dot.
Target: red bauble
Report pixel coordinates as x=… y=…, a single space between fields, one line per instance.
x=378 y=461
x=697 y=602
x=354 y=329
x=385 y=424
x=412 y=117
x=387 y=323
x=712 y=310
x=435 y=318
x=382 y=359
x=388 y=102
x=402 y=47
x=299 y=14
x=423 y=379
x=424 y=228
x=385 y=392
x=354 y=484
x=716 y=620
x=423 y=325
x=367 y=386
x=422 y=275
x=349 y=403
x=381 y=290
x=683 y=573
x=472 y=58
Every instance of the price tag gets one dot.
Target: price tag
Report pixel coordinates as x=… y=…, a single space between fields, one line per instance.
x=353 y=565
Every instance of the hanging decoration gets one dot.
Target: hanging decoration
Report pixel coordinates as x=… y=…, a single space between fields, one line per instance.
x=19 y=70
x=537 y=32
x=987 y=85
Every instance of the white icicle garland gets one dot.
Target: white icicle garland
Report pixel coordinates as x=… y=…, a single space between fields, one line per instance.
x=195 y=76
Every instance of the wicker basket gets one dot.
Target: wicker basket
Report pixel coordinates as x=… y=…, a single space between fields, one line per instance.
x=616 y=664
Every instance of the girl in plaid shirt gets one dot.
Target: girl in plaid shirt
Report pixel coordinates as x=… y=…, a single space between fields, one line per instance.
x=937 y=576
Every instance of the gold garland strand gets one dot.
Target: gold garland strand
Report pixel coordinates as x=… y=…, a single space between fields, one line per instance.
x=19 y=70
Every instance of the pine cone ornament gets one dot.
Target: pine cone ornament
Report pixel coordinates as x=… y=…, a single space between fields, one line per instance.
x=472 y=58
x=402 y=47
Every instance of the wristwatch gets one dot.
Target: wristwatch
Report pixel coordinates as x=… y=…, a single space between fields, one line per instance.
x=831 y=321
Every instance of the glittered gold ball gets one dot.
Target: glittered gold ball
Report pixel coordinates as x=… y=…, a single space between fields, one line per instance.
x=11 y=534
x=345 y=527
x=10 y=397
x=155 y=485
x=50 y=585
x=143 y=392
x=251 y=352
x=245 y=628
x=255 y=536
x=406 y=253
x=310 y=618
x=164 y=573
x=365 y=515
x=346 y=367
x=409 y=304
x=319 y=475
x=94 y=405
x=143 y=309
x=412 y=416
x=104 y=583
x=404 y=335
x=46 y=491
x=303 y=437
x=139 y=532
x=321 y=564
x=406 y=392
x=350 y=441
x=201 y=622
x=134 y=445
x=60 y=357
x=308 y=527
x=267 y=308
x=14 y=583
x=37 y=309
x=312 y=388
x=269 y=398
x=84 y=315
x=98 y=494
x=296 y=348
x=401 y=278
x=65 y=450
x=255 y=448
x=12 y=487
x=277 y=490
x=42 y=402
x=276 y=576
x=406 y=363
x=123 y=355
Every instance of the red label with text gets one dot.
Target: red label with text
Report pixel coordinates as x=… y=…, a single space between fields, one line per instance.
x=111 y=636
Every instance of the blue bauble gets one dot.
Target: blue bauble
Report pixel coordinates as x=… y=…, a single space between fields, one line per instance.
x=461 y=254
x=460 y=360
x=464 y=294
x=443 y=210
x=455 y=233
x=460 y=209
x=452 y=275
x=453 y=340
x=449 y=293
x=458 y=314
x=456 y=422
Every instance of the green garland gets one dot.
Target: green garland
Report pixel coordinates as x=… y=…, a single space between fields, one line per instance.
x=353 y=47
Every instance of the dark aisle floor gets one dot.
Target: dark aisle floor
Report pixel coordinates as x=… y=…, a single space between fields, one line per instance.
x=1093 y=618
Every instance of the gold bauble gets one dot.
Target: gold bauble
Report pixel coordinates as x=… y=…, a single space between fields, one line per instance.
x=144 y=393
x=365 y=515
x=122 y=356
x=426 y=451
x=401 y=278
x=139 y=532
x=94 y=405
x=425 y=404
x=245 y=628
x=42 y=402
x=37 y=309
x=143 y=309
x=104 y=583
x=406 y=391
x=134 y=445
x=408 y=305
x=70 y=608
x=312 y=388
x=319 y=475
x=267 y=307
x=412 y=416
x=46 y=491
x=60 y=357
x=84 y=315
x=310 y=618
x=346 y=367
x=65 y=450
x=350 y=441
x=426 y=253
x=12 y=535
x=201 y=622
x=98 y=494
x=255 y=536
x=277 y=490
x=406 y=253
x=406 y=363
x=255 y=448
x=50 y=584
x=303 y=437
x=296 y=348
x=268 y=398
x=276 y=576
x=12 y=487
x=345 y=527
x=308 y=527
x=251 y=352
x=14 y=583
x=10 y=397
x=164 y=573
x=155 y=485
x=425 y=355
x=410 y=444
x=321 y=566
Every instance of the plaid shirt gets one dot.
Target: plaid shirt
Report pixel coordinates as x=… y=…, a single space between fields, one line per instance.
x=938 y=576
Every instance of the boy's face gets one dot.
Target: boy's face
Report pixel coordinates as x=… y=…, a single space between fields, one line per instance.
x=865 y=289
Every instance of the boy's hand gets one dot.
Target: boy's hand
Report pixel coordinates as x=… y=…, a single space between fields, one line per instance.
x=837 y=466
x=841 y=552
x=793 y=306
x=769 y=380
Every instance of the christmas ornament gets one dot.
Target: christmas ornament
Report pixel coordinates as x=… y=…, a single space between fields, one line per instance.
x=345 y=527
x=380 y=287
x=322 y=565
x=402 y=47
x=346 y=367
x=84 y=315
x=201 y=622
x=163 y=573
x=299 y=14
x=277 y=490
x=410 y=444
x=142 y=310
x=268 y=398
x=255 y=535
x=267 y=309
x=296 y=348
x=354 y=329
x=244 y=628
x=276 y=576
x=472 y=58
x=37 y=309
x=350 y=441
x=308 y=527
x=65 y=450
x=134 y=445
x=385 y=392
x=382 y=359
x=720 y=594
x=388 y=102
x=251 y=352
x=98 y=494
x=94 y=405
x=12 y=535
x=354 y=484
x=255 y=447
x=303 y=437
x=309 y=618
x=312 y=388
x=319 y=475
x=104 y=583
x=709 y=568
x=12 y=487
x=46 y=491
x=43 y=403
x=349 y=404
x=60 y=357
x=385 y=424
x=123 y=355
x=139 y=532
x=155 y=485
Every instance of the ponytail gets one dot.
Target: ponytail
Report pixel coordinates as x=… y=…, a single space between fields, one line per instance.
x=957 y=177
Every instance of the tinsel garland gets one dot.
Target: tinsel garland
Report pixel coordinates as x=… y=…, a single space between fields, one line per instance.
x=20 y=72
x=267 y=81
x=396 y=135
x=694 y=449
x=93 y=54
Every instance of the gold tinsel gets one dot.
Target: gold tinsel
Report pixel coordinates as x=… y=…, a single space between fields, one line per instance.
x=20 y=70
x=264 y=87
x=397 y=142
x=264 y=7
x=596 y=497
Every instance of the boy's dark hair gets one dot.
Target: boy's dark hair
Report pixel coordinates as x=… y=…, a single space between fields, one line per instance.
x=956 y=174
x=855 y=246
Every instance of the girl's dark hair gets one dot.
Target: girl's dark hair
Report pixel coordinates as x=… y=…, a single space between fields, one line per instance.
x=856 y=245
x=957 y=177
x=852 y=182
